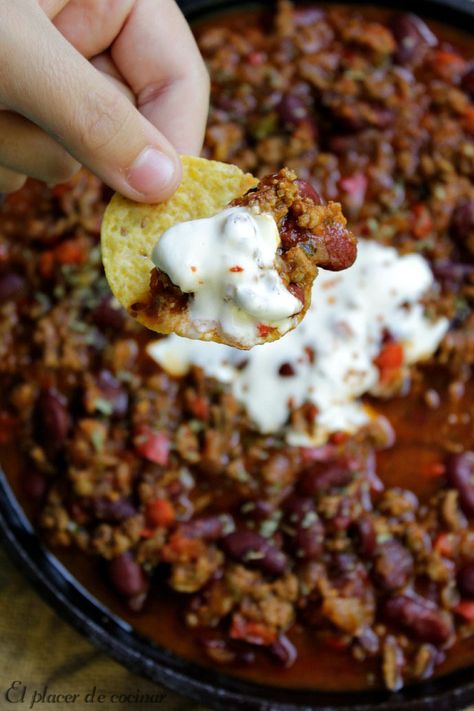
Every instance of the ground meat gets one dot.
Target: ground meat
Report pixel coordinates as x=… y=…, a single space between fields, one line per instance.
x=304 y=220
x=363 y=545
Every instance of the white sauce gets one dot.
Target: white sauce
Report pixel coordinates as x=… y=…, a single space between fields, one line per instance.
x=228 y=263
x=344 y=327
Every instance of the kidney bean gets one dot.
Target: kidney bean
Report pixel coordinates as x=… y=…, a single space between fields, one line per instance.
x=393 y=565
x=292 y=109
x=127 y=576
x=113 y=392
x=254 y=550
x=307 y=531
x=460 y=475
x=284 y=651
x=225 y=651
x=462 y=221
x=365 y=534
x=412 y=35
x=307 y=190
x=325 y=475
x=466 y=580
x=11 y=286
x=113 y=510
x=309 y=540
x=54 y=417
x=450 y=274
x=109 y=314
x=419 y=618
x=209 y=528
x=33 y=484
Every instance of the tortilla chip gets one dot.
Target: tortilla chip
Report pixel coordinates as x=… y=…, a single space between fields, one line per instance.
x=130 y=230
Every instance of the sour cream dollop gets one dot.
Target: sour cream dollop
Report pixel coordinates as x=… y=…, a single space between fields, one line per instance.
x=228 y=263
x=331 y=353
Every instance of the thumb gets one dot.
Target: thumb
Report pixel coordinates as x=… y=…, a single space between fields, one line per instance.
x=44 y=78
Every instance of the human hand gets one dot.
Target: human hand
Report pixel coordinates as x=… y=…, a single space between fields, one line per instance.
x=116 y=85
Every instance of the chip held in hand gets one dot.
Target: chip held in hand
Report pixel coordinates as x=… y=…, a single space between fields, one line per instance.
x=227 y=258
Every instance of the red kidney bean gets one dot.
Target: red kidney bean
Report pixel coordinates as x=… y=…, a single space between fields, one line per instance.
x=365 y=534
x=11 y=286
x=33 y=484
x=462 y=221
x=209 y=528
x=307 y=190
x=466 y=580
x=325 y=475
x=460 y=475
x=335 y=250
x=419 y=618
x=127 y=576
x=411 y=35
x=393 y=565
x=255 y=551
x=292 y=109
x=304 y=527
x=108 y=314
x=113 y=392
x=284 y=651
x=113 y=510
x=450 y=274
x=225 y=651
x=54 y=417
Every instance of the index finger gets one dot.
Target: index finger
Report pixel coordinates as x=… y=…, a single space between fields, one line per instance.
x=158 y=57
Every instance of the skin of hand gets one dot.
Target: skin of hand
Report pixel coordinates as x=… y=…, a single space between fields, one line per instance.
x=116 y=85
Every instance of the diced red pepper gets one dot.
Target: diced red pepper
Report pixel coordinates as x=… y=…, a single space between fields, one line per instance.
x=70 y=252
x=263 y=330
x=252 y=632
x=152 y=445
x=433 y=470
x=355 y=187
x=236 y=269
x=147 y=533
x=181 y=547
x=199 y=406
x=450 y=66
x=256 y=58
x=389 y=360
x=59 y=190
x=465 y=609
x=444 y=545
x=160 y=512
x=338 y=437
x=422 y=222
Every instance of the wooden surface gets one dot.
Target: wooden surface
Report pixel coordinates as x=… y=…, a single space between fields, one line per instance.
x=37 y=648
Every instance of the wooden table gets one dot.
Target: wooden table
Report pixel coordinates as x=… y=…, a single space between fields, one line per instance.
x=37 y=648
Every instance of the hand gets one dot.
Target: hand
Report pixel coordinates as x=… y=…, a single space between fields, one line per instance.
x=116 y=85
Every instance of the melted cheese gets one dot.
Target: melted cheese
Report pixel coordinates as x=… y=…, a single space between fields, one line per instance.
x=331 y=352
x=228 y=263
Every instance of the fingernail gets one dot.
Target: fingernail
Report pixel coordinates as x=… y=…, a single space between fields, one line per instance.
x=151 y=173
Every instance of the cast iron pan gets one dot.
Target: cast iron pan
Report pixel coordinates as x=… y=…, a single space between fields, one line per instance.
x=139 y=654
